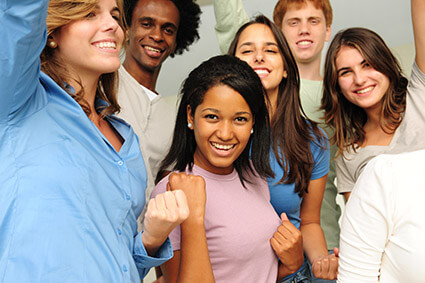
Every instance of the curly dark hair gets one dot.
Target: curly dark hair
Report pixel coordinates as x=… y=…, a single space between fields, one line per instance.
x=190 y=17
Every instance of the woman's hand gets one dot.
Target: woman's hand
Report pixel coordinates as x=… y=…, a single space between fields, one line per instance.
x=164 y=213
x=326 y=267
x=287 y=243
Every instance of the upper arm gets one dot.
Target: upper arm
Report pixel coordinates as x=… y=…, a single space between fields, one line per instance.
x=229 y=15
x=170 y=269
x=418 y=20
x=23 y=34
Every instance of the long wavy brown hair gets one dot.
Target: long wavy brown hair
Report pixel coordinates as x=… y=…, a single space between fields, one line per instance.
x=346 y=118
x=59 y=14
x=291 y=132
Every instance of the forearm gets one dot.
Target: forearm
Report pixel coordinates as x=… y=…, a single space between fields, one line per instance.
x=195 y=265
x=313 y=240
x=283 y=271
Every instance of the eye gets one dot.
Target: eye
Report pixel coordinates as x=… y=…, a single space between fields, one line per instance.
x=169 y=31
x=246 y=51
x=211 y=117
x=292 y=23
x=344 y=73
x=146 y=24
x=241 y=120
x=272 y=51
x=91 y=14
x=314 y=21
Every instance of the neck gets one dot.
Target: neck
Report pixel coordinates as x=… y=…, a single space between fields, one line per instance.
x=310 y=70
x=373 y=117
x=89 y=84
x=146 y=78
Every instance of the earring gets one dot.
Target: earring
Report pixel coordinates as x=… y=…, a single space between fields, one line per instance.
x=52 y=44
x=189 y=125
x=252 y=131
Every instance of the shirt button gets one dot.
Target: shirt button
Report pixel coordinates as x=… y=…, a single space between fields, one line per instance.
x=124 y=268
x=127 y=197
x=120 y=163
x=119 y=232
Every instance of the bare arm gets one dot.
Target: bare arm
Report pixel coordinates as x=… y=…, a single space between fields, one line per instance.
x=323 y=265
x=192 y=262
x=418 y=20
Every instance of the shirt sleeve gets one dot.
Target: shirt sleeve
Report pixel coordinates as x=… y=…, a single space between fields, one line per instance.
x=345 y=181
x=229 y=15
x=144 y=262
x=23 y=34
x=321 y=155
x=367 y=224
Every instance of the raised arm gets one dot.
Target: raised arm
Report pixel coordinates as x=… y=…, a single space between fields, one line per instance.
x=23 y=34
x=418 y=20
x=229 y=15
x=192 y=262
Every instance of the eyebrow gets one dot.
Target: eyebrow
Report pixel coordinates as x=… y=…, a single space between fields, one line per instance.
x=217 y=111
x=347 y=68
x=249 y=43
x=167 y=24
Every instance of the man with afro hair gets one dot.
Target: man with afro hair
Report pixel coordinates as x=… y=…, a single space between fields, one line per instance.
x=156 y=29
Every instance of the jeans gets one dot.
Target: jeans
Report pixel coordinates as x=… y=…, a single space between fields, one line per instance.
x=303 y=275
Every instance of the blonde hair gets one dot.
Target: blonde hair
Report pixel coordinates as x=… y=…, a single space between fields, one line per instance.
x=59 y=14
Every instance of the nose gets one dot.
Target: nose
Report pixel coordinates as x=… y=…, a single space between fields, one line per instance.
x=259 y=56
x=110 y=23
x=156 y=34
x=359 y=77
x=303 y=28
x=225 y=131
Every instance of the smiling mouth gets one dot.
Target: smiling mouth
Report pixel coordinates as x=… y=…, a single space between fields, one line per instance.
x=222 y=146
x=106 y=45
x=304 y=43
x=153 y=49
x=363 y=91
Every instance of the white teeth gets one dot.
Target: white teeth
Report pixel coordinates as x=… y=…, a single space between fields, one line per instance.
x=261 y=72
x=223 y=146
x=365 y=90
x=106 y=44
x=152 y=49
x=305 y=42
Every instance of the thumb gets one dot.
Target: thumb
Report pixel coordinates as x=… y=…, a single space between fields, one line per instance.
x=168 y=187
x=336 y=252
x=284 y=217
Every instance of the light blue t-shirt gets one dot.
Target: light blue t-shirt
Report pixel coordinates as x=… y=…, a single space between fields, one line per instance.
x=68 y=200
x=283 y=197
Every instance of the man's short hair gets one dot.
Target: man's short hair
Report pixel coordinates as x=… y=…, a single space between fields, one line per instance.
x=282 y=6
x=187 y=31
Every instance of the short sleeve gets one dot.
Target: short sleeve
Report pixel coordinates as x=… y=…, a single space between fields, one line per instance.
x=344 y=179
x=320 y=152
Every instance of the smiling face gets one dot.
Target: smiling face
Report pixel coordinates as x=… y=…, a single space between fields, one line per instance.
x=222 y=126
x=359 y=82
x=152 y=34
x=306 y=31
x=90 y=46
x=258 y=47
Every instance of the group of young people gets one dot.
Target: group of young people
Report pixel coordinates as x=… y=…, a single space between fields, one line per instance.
x=235 y=179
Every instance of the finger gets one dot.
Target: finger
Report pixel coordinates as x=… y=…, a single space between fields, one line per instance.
x=284 y=217
x=170 y=202
x=182 y=204
x=160 y=203
x=336 y=252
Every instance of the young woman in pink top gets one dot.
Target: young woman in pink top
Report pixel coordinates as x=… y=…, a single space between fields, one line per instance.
x=222 y=135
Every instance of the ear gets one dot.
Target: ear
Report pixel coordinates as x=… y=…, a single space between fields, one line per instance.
x=189 y=116
x=285 y=74
x=328 y=33
x=51 y=41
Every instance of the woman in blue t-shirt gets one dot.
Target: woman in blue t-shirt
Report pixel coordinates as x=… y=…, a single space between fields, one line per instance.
x=300 y=157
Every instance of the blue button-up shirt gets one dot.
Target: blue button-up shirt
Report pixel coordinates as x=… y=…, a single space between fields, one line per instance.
x=68 y=200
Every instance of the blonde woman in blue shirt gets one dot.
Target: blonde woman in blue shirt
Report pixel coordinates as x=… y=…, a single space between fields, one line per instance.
x=72 y=175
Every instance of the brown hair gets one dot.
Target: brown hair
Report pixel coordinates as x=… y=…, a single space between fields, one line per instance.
x=291 y=132
x=282 y=6
x=346 y=118
x=59 y=14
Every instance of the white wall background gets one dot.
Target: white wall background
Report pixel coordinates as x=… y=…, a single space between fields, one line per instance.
x=389 y=18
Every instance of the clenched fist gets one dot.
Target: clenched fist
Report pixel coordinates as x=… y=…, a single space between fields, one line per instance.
x=194 y=189
x=164 y=213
